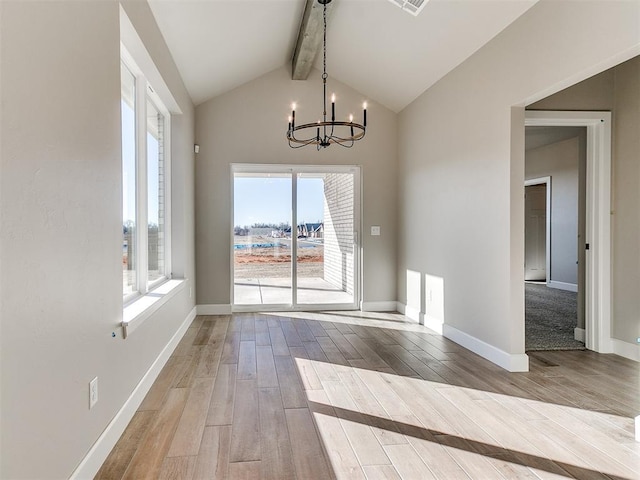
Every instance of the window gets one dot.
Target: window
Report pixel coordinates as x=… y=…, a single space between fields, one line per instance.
x=155 y=193
x=145 y=165
x=129 y=244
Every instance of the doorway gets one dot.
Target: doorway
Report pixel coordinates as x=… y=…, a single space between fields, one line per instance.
x=554 y=237
x=295 y=237
x=537 y=238
x=596 y=244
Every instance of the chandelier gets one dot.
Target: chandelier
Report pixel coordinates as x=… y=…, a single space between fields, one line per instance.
x=324 y=133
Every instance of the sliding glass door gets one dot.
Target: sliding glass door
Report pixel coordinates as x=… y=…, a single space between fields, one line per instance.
x=326 y=247
x=295 y=237
x=262 y=239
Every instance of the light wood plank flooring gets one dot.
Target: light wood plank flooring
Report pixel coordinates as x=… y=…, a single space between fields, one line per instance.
x=352 y=395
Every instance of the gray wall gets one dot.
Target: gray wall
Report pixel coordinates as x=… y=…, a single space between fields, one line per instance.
x=461 y=154
x=617 y=90
x=61 y=239
x=248 y=125
x=626 y=202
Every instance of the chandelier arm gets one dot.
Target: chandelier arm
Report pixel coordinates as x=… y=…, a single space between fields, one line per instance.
x=308 y=141
x=343 y=140
x=298 y=146
x=336 y=139
x=326 y=139
x=347 y=143
x=338 y=123
x=343 y=145
x=302 y=143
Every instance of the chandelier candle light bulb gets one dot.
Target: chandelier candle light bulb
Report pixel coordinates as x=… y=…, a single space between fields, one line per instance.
x=293 y=116
x=340 y=132
x=333 y=107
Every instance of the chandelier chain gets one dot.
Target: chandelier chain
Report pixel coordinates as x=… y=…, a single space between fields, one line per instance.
x=324 y=68
x=324 y=43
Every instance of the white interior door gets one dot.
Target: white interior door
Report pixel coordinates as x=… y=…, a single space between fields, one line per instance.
x=535 y=232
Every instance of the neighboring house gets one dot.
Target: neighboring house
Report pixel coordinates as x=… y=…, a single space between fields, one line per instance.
x=285 y=233
x=311 y=230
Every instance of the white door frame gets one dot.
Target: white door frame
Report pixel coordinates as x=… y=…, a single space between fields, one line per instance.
x=293 y=170
x=545 y=181
x=598 y=218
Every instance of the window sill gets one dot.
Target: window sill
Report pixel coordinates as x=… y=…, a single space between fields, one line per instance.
x=134 y=314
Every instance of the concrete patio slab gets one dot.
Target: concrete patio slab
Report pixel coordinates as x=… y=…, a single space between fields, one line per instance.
x=277 y=291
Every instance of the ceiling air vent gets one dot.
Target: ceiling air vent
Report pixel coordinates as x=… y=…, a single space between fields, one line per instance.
x=414 y=7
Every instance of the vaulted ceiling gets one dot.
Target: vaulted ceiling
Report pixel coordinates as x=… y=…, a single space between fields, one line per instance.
x=372 y=45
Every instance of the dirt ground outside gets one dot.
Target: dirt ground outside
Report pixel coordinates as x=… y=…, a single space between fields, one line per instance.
x=275 y=261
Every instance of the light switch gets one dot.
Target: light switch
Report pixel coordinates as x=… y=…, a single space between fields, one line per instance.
x=375 y=230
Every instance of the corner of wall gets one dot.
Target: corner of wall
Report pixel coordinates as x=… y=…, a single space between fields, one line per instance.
x=625 y=349
x=100 y=450
x=214 y=309
x=512 y=362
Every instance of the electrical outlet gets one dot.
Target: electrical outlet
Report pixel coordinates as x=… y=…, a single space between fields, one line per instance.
x=93 y=392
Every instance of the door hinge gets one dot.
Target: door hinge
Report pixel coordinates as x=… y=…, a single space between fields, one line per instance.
x=586 y=246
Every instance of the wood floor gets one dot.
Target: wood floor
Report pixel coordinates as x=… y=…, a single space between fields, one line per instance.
x=352 y=395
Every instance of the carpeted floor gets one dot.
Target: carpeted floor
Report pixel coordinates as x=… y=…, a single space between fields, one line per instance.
x=550 y=317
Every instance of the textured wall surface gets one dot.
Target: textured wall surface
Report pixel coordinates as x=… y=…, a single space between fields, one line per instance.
x=248 y=125
x=461 y=155
x=339 y=225
x=61 y=237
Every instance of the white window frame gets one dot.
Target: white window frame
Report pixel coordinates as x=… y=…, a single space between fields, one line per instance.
x=143 y=286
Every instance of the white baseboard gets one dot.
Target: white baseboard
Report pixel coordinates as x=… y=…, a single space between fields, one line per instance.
x=571 y=287
x=105 y=443
x=389 y=306
x=518 y=362
x=214 y=309
x=580 y=334
x=401 y=307
x=412 y=313
x=418 y=316
x=626 y=349
x=434 y=324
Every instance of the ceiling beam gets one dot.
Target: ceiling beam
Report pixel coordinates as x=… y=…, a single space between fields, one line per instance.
x=309 y=39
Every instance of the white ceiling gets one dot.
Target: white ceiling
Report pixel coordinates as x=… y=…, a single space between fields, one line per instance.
x=372 y=45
